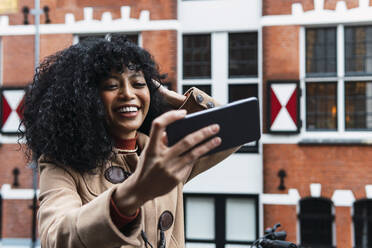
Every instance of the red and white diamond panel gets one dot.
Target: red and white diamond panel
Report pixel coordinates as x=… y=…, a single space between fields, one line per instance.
x=283 y=107
x=12 y=100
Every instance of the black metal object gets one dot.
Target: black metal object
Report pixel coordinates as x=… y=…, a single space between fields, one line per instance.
x=34 y=208
x=282 y=174
x=46 y=12
x=16 y=173
x=273 y=239
x=25 y=11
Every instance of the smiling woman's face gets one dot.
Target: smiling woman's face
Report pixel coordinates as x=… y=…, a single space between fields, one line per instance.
x=126 y=98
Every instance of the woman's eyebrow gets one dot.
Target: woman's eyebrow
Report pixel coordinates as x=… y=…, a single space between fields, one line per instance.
x=137 y=74
x=113 y=76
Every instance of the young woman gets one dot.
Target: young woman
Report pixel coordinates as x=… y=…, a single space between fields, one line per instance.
x=106 y=180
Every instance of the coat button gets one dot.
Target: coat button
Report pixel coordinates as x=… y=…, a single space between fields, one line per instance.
x=165 y=220
x=116 y=174
x=199 y=98
x=210 y=104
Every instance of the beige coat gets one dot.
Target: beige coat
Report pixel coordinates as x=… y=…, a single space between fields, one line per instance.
x=75 y=208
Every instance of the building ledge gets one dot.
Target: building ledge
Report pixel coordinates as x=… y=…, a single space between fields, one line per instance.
x=333 y=142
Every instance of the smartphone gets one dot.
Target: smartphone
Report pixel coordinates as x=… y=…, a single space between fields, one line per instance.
x=239 y=124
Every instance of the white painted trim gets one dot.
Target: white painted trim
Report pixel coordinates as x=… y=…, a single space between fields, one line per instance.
x=220 y=65
x=243 y=80
x=7 y=193
x=321 y=79
x=302 y=47
x=340 y=84
x=320 y=16
x=291 y=198
x=91 y=28
x=369 y=191
x=343 y=198
x=340 y=197
x=1 y=62
x=315 y=189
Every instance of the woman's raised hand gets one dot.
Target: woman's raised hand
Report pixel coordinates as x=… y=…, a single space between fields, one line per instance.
x=172 y=97
x=160 y=167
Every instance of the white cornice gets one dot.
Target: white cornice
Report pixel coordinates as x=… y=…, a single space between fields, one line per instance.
x=89 y=25
x=321 y=16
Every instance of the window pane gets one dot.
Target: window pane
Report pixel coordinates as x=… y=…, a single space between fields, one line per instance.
x=204 y=87
x=243 y=54
x=199 y=218
x=363 y=223
x=240 y=219
x=321 y=52
x=321 y=106
x=197 y=56
x=316 y=222
x=358 y=105
x=241 y=91
x=358 y=50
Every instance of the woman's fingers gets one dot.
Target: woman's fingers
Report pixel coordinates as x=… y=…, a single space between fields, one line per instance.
x=159 y=124
x=199 y=151
x=193 y=139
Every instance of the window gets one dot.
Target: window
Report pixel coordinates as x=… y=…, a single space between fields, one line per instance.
x=316 y=220
x=358 y=105
x=358 y=50
x=363 y=223
x=197 y=56
x=321 y=52
x=241 y=91
x=321 y=106
x=220 y=221
x=243 y=55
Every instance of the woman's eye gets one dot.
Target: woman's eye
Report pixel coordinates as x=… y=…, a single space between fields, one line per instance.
x=139 y=84
x=110 y=85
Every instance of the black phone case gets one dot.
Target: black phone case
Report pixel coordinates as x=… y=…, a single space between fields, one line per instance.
x=239 y=124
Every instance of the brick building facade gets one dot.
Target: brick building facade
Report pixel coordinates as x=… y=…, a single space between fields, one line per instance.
x=308 y=62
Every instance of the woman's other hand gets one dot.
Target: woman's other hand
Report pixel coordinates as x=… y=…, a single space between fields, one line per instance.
x=160 y=167
x=172 y=97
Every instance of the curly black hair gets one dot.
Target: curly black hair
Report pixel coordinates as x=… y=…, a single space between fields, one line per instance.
x=64 y=116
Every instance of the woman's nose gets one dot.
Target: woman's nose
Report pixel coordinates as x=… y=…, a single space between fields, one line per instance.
x=126 y=91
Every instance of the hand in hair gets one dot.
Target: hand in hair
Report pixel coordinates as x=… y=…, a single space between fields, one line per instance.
x=172 y=97
x=161 y=168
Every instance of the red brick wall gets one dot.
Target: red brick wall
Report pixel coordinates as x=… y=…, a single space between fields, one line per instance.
x=50 y=44
x=335 y=167
x=343 y=227
x=163 y=46
x=331 y=4
x=12 y=157
x=286 y=215
x=280 y=56
x=17 y=219
x=18 y=59
x=284 y=7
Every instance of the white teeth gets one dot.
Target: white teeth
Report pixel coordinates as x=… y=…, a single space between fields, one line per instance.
x=128 y=109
